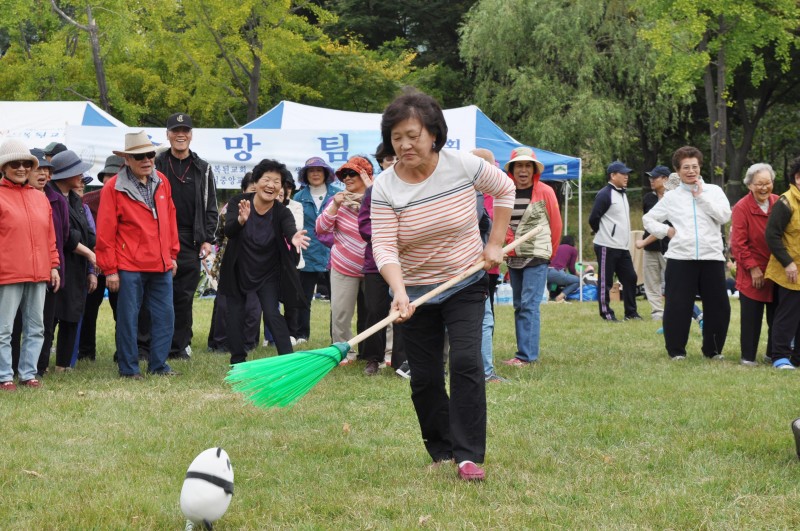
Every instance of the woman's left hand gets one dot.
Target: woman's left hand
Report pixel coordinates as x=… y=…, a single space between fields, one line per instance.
x=366 y=178
x=492 y=256
x=300 y=239
x=758 y=277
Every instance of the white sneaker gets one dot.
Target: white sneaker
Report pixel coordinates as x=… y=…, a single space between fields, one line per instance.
x=300 y=340
x=292 y=340
x=678 y=358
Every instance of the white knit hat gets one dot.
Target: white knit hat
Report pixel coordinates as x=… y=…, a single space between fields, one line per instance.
x=15 y=150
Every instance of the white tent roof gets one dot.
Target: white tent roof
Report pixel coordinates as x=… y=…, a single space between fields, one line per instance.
x=37 y=123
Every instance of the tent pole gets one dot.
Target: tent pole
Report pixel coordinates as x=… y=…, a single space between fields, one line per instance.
x=580 y=228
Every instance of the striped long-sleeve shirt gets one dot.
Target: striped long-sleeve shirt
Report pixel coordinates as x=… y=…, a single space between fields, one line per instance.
x=347 y=253
x=431 y=228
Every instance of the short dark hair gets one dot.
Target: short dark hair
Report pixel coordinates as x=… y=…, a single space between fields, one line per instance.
x=380 y=153
x=270 y=165
x=794 y=169
x=568 y=239
x=247 y=180
x=686 y=152
x=414 y=105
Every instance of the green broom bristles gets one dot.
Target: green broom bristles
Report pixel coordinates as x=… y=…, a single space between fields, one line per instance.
x=281 y=381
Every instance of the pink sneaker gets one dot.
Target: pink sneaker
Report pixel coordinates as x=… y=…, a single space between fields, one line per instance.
x=471 y=472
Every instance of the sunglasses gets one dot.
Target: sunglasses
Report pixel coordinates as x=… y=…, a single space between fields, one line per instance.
x=15 y=164
x=349 y=173
x=142 y=156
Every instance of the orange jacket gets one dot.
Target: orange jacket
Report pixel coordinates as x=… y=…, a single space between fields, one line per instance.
x=129 y=236
x=27 y=236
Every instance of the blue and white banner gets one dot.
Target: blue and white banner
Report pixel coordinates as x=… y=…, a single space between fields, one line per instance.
x=234 y=152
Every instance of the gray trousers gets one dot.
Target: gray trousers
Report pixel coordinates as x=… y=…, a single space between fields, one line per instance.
x=654 y=265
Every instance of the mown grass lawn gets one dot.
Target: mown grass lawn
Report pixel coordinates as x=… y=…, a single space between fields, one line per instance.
x=605 y=432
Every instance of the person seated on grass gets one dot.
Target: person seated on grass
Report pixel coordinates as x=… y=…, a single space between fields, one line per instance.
x=562 y=271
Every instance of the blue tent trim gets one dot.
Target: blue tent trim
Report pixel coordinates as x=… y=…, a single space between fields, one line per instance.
x=92 y=117
x=271 y=120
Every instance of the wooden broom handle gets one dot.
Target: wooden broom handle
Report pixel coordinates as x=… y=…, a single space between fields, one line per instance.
x=440 y=289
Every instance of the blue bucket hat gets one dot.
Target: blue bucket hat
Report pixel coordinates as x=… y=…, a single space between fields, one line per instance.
x=39 y=154
x=68 y=164
x=315 y=162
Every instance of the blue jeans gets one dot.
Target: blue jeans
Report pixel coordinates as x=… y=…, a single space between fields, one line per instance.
x=527 y=287
x=560 y=277
x=29 y=298
x=132 y=288
x=486 y=339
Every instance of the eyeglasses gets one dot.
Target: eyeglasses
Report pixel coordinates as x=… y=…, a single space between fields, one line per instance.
x=15 y=164
x=690 y=168
x=142 y=156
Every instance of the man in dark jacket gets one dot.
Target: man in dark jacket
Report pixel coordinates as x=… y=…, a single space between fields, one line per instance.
x=194 y=193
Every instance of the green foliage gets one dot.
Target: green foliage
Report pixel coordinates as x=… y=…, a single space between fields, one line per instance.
x=570 y=77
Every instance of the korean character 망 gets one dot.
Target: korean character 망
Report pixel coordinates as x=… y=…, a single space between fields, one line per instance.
x=243 y=143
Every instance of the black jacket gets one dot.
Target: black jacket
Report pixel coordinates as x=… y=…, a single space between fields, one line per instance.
x=283 y=224
x=71 y=299
x=205 y=199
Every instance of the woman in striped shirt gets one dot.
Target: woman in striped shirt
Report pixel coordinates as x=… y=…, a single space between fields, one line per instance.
x=424 y=232
x=339 y=217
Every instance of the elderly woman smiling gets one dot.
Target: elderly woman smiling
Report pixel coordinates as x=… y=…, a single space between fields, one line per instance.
x=27 y=228
x=749 y=249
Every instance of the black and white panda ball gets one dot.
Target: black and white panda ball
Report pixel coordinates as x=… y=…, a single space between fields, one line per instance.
x=208 y=487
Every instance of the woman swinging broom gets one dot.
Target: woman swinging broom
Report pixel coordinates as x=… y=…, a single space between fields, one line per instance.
x=425 y=231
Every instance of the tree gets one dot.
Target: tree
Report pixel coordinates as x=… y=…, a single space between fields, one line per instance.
x=708 y=43
x=571 y=77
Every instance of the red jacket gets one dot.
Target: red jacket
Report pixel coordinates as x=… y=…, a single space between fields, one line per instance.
x=129 y=237
x=27 y=236
x=749 y=245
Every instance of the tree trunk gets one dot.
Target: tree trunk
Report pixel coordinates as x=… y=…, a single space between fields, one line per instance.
x=99 y=69
x=254 y=89
x=720 y=133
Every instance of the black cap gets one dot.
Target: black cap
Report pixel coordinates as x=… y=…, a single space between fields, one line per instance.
x=659 y=171
x=54 y=148
x=617 y=167
x=179 y=119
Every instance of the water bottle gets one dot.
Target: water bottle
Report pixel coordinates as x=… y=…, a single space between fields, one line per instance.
x=504 y=294
x=545 y=295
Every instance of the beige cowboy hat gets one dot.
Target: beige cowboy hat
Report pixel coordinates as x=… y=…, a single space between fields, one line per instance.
x=524 y=153
x=136 y=143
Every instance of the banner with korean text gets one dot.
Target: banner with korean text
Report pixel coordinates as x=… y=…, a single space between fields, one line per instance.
x=234 y=152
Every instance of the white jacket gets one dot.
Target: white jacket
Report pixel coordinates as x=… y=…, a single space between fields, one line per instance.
x=697 y=221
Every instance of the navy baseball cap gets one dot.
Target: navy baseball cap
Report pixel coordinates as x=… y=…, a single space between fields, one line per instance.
x=658 y=171
x=617 y=167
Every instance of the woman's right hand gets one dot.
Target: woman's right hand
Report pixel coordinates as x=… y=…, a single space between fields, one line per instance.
x=244 y=211
x=338 y=199
x=671 y=232
x=402 y=305
x=791 y=273
x=639 y=243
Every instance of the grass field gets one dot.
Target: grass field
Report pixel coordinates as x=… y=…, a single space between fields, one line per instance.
x=604 y=432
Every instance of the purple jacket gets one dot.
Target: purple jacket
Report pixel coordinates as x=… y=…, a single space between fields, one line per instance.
x=365 y=229
x=60 y=224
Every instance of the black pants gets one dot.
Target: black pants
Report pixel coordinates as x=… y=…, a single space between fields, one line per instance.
x=87 y=347
x=218 y=336
x=786 y=325
x=268 y=295
x=610 y=261
x=184 y=286
x=684 y=280
x=452 y=427
x=302 y=316
x=752 y=314
x=376 y=307
x=65 y=344
x=49 y=317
